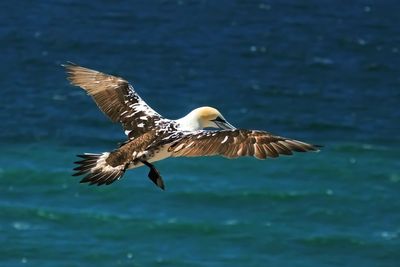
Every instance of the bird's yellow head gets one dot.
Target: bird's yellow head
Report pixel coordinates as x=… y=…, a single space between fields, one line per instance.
x=209 y=117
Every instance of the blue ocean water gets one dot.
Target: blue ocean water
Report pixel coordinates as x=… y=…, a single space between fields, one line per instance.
x=326 y=72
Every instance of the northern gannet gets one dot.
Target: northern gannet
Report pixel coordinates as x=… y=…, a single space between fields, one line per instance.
x=151 y=137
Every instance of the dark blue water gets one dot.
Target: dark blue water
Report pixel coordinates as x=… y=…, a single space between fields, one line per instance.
x=325 y=72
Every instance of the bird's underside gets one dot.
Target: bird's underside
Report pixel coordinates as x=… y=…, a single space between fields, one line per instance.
x=152 y=137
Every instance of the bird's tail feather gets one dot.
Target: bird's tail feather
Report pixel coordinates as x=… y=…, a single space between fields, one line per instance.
x=97 y=170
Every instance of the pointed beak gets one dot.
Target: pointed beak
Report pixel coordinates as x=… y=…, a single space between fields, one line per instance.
x=225 y=125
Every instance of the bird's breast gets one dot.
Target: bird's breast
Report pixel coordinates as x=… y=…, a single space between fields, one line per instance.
x=150 y=156
x=160 y=154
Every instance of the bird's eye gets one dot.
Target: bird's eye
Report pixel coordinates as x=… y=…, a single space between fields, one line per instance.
x=219 y=119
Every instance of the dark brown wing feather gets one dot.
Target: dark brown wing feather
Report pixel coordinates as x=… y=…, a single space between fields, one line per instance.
x=116 y=98
x=237 y=143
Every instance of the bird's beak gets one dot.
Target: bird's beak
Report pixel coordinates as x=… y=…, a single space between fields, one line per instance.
x=225 y=125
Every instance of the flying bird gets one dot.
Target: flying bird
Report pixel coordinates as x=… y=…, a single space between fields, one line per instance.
x=152 y=137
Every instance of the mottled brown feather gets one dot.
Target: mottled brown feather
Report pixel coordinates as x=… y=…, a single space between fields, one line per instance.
x=116 y=98
x=239 y=142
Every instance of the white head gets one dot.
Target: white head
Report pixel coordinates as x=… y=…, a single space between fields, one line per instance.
x=204 y=117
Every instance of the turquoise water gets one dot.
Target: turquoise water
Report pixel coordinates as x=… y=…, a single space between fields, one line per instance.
x=325 y=73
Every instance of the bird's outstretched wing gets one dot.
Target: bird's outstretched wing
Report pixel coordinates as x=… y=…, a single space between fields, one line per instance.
x=237 y=143
x=116 y=98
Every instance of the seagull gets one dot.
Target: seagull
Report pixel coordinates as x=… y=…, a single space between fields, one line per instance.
x=152 y=137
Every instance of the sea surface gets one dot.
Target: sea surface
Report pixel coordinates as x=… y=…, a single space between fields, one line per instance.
x=325 y=72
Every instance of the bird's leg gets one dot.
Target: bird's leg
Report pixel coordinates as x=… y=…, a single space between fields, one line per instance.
x=154 y=175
